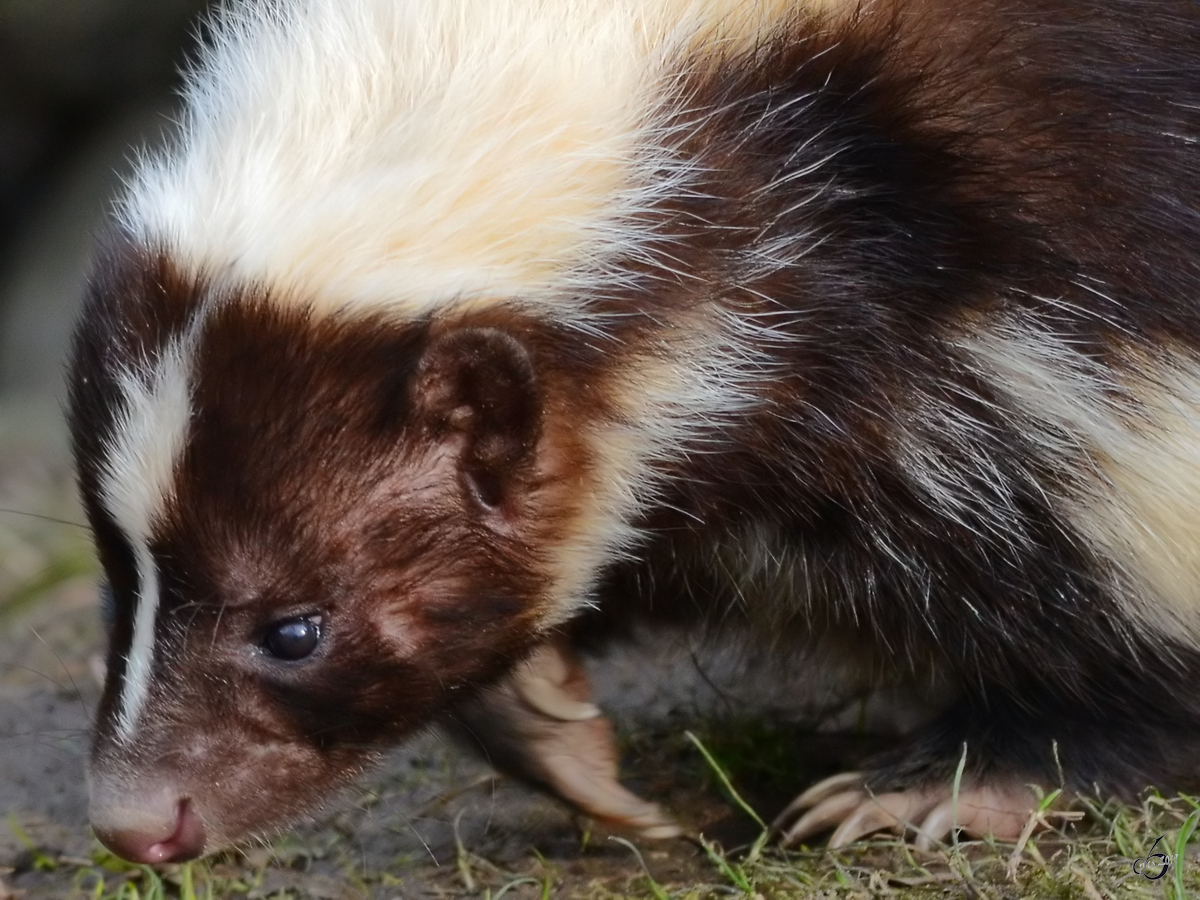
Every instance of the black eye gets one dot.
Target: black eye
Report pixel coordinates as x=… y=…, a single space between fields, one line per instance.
x=293 y=639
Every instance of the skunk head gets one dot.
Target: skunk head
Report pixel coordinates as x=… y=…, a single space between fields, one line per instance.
x=317 y=533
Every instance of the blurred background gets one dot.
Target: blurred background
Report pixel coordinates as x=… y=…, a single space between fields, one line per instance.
x=83 y=85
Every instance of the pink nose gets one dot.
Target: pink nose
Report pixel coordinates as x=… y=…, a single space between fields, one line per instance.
x=135 y=835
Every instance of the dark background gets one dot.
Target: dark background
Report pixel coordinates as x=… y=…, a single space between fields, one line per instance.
x=82 y=84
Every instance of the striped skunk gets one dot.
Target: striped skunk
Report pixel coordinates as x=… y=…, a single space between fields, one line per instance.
x=451 y=331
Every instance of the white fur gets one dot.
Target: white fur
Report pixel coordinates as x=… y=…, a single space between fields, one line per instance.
x=403 y=154
x=1128 y=442
x=137 y=481
x=664 y=402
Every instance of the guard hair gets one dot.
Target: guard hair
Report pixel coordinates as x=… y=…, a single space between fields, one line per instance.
x=452 y=336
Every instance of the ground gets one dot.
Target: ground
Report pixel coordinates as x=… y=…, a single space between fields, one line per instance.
x=434 y=821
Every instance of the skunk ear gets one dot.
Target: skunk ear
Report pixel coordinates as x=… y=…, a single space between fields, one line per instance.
x=479 y=384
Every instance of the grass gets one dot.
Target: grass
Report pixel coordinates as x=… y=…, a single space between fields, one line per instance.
x=1089 y=859
x=1093 y=858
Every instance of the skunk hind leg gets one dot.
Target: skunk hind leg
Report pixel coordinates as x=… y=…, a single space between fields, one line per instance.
x=986 y=767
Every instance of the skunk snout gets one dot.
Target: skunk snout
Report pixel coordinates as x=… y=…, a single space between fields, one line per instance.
x=148 y=827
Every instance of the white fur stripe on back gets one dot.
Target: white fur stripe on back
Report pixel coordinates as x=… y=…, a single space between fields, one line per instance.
x=137 y=481
x=1130 y=437
x=372 y=154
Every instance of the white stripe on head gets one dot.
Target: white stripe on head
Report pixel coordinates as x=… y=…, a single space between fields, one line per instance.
x=137 y=481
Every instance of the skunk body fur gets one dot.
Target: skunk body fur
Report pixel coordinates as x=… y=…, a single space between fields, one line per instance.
x=447 y=325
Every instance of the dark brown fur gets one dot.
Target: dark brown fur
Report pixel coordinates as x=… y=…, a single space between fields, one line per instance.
x=409 y=480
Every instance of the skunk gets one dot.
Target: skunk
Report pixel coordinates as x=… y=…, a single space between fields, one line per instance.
x=449 y=332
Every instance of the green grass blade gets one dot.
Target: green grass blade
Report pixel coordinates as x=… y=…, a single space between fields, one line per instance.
x=725 y=782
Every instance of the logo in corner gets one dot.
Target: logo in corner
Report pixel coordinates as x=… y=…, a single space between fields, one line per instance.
x=1153 y=865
